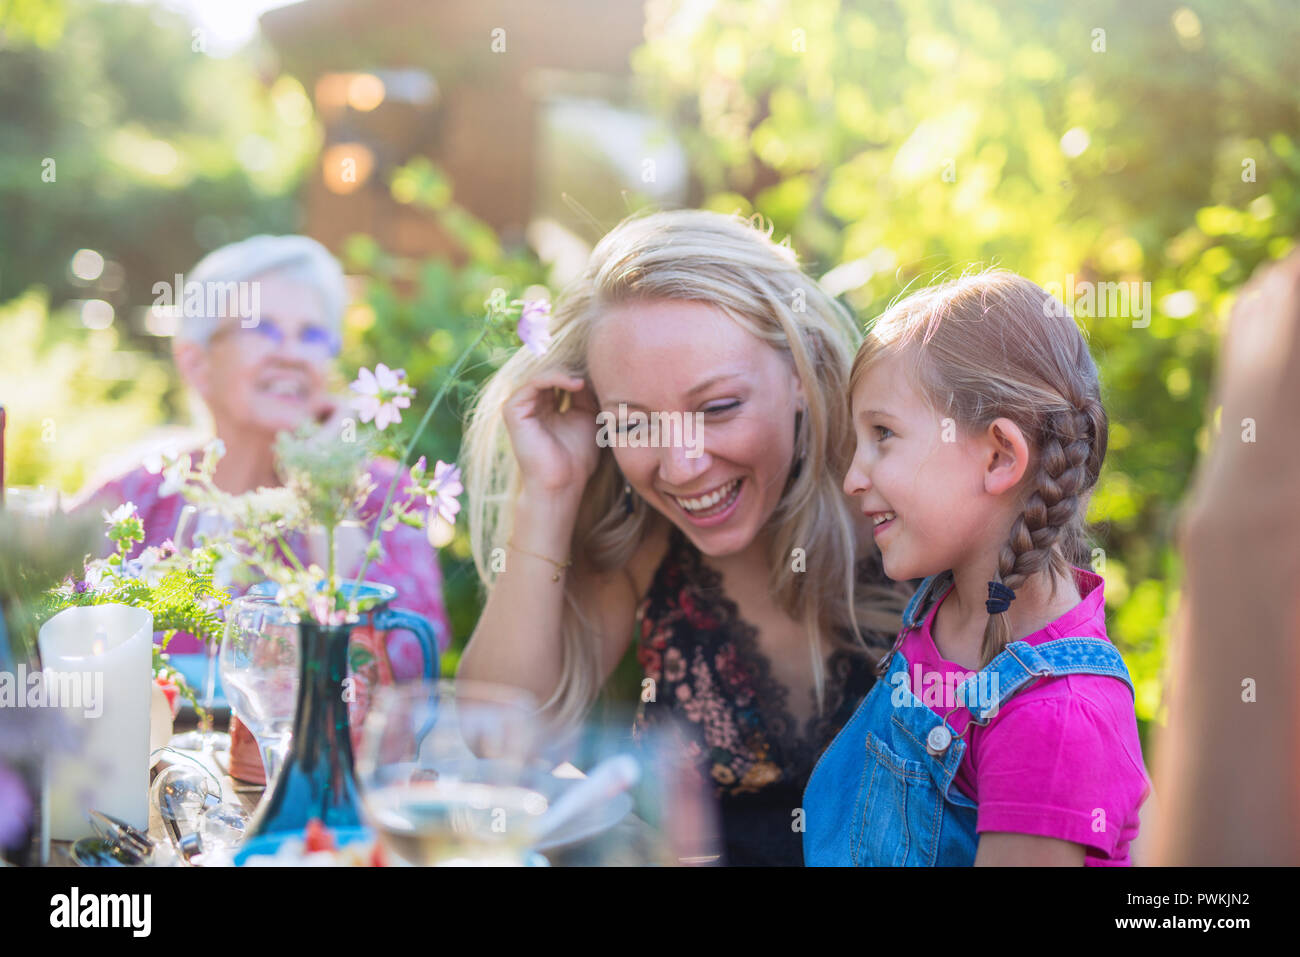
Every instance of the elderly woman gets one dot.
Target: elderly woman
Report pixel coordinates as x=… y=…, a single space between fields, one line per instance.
x=263 y=374
x=729 y=555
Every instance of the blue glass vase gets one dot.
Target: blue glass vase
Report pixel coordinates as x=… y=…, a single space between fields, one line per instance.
x=317 y=778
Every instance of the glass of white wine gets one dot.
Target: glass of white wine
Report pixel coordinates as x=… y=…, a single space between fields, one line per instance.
x=449 y=773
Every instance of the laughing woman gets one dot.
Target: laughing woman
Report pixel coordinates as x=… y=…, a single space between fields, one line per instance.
x=731 y=556
x=261 y=378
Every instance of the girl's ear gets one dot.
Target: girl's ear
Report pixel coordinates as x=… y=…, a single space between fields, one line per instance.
x=1006 y=456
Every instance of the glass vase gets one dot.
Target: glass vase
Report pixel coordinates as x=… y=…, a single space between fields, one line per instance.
x=317 y=778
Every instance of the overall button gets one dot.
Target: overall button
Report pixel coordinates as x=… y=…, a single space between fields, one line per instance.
x=937 y=741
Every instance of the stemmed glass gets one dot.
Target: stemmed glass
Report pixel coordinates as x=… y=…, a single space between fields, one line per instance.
x=258 y=662
x=449 y=772
x=197 y=527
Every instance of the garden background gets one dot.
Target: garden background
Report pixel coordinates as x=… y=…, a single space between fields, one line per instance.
x=444 y=150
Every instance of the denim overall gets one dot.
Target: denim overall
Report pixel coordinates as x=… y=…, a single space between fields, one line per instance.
x=882 y=794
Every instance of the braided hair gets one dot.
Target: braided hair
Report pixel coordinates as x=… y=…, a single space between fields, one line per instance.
x=995 y=345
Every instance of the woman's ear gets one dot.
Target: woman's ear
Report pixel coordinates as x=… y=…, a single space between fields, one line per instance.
x=191 y=360
x=1006 y=456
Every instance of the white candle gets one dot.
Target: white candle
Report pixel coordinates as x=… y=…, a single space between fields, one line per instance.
x=98 y=661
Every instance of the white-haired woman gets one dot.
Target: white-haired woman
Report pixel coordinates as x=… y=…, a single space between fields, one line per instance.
x=262 y=365
x=731 y=557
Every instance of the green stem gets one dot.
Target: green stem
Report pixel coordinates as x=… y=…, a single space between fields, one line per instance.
x=289 y=553
x=410 y=447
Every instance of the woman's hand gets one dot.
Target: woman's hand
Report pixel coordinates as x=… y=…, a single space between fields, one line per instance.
x=556 y=450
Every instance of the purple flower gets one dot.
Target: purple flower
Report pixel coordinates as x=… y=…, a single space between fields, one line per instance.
x=532 y=325
x=381 y=393
x=446 y=486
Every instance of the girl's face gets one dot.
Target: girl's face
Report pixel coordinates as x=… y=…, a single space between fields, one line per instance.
x=931 y=490
x=721 y=485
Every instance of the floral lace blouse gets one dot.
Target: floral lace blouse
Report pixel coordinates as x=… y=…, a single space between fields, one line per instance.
x=711 y=675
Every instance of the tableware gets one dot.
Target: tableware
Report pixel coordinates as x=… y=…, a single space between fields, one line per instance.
x=377 y=655
x=317 y=778
x=258 y=663
x=197 y=527
x=607 y=782
x=181 y=793
x=448 y=774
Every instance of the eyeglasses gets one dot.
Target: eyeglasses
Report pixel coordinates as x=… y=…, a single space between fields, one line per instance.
x=317 y=342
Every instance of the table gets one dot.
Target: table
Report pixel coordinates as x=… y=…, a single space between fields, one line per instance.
x=630 y=843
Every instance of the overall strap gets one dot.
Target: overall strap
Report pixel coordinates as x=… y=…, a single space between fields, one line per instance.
x=919 y=604
x=1021 y=663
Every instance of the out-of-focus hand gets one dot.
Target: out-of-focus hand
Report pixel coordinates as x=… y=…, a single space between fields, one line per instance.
x=1250 y=483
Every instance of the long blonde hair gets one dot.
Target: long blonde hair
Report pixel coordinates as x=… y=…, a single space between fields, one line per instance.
x=694 y=255
x=993 y=345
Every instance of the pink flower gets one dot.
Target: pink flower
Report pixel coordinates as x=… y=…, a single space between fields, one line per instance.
x=381 y=393
x=532 y=325
x=446 y=486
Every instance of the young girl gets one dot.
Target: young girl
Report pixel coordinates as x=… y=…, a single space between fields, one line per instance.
x=1003 y=731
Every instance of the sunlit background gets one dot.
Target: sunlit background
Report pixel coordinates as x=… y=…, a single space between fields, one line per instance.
x=442 y=149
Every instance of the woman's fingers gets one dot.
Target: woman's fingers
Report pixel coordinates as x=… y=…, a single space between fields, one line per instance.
x=529 y=399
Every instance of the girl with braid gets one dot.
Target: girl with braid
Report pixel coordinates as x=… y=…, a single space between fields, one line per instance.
x=1002 y=730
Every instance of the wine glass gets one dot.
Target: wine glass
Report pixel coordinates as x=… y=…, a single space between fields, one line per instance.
x=195 y=528
x=258 y=662
x=449 y=772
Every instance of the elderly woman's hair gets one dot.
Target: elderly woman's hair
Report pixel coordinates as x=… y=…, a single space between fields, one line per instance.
x=298 y=258
x=694 y=255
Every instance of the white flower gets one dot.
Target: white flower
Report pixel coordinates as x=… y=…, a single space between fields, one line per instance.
x=175 y=474
x=120 y=514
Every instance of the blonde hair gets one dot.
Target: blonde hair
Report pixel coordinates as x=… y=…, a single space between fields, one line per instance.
x=694 y=255
x=994 y=345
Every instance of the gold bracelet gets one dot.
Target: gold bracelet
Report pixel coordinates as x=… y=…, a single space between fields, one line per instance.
x=559 y=566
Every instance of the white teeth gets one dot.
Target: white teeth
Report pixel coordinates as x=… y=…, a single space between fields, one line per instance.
x=283 y=387
x=882 y=518
x=707 y=501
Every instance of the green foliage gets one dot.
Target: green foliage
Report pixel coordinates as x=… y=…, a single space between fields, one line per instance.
x=912 y=140
x=421 y=316
x=120 y=136
x=72 y=394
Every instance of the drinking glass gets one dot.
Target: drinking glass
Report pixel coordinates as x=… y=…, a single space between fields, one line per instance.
x=196 y=527
x=449 y=773
x=258 y=663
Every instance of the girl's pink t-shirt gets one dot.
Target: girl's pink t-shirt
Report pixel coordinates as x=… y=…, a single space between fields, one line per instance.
x=1062 y=757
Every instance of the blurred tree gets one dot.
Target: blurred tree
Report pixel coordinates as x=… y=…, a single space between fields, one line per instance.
x=121 y=135
x=898 y=143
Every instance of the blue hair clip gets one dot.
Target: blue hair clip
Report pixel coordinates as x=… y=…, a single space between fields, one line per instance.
x=1000 y=598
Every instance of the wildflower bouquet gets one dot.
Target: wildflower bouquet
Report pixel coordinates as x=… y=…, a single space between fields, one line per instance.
x=175 y=585
x=326 y=482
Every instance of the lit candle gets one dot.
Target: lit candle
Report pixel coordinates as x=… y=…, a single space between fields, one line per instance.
x=98 y=667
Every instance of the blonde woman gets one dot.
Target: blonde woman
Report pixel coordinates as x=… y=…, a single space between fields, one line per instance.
x=712 y=532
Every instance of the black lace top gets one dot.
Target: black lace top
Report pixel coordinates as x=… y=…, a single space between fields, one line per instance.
x=710 y=673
